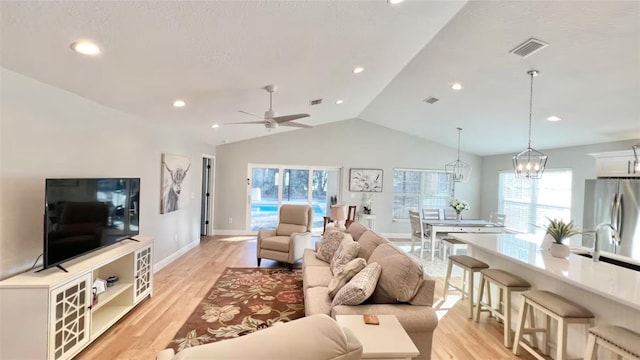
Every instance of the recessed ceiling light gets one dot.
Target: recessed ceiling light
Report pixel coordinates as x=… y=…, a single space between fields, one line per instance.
x=358 y=69
x=553 y=118
x=394 y=2
x=215 y=126
x=456 y=86
x=179 y=103
x=338 y=102
x=85 y=47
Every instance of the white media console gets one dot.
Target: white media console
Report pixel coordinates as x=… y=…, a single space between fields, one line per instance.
x=51 y=314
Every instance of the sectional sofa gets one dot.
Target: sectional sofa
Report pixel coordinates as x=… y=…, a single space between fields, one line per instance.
x=402 y=290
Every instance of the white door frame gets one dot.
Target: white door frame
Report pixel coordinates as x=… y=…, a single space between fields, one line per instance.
x=212 y=191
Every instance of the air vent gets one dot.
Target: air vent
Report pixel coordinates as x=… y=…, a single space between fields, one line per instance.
x=315 y=102
x=528 y=47
x=431 y=100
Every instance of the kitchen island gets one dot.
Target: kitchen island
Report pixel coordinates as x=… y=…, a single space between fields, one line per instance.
x=611 y=292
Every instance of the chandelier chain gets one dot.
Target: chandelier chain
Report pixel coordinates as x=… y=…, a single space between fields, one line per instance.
x=459 y=130
x=532 y=73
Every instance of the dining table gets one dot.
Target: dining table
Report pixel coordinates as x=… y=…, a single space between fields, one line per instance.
x=459 y=226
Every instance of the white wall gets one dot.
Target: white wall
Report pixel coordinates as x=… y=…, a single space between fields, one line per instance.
x=47 y=132
x=349 y=144
x=575 y=158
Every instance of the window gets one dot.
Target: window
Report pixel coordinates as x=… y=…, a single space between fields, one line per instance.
x=528 y=202
x=419 y=189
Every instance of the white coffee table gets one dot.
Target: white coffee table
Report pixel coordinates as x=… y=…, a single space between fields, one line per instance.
x=385 y=341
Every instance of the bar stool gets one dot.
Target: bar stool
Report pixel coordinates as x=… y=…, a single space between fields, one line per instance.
x=507 y=283
x=622 y=342
x=470 y=266
x=553 y=306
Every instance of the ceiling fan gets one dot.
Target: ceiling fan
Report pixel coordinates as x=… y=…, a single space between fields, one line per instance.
x=271 y=120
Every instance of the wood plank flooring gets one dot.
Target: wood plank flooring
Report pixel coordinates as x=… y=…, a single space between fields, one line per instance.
x=179 y=288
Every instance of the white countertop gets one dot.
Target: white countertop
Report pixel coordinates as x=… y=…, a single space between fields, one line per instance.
x=613 y=282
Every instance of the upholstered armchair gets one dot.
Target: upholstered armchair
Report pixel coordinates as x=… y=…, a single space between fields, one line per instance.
x=287 y=242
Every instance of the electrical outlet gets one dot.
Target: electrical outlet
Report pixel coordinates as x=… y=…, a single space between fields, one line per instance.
x=230 y=220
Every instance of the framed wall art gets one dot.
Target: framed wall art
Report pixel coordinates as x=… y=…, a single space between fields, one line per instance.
x=175 y=182
x=365 y=180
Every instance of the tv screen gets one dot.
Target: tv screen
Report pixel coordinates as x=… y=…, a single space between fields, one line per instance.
x=82 y=215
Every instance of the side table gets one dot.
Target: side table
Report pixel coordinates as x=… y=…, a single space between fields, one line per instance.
x=369 y=220
x=385 y=341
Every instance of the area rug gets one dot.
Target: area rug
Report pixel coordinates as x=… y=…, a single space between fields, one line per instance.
x=243 y=300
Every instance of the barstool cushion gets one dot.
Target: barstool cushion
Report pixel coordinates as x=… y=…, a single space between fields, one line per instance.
x=504 y=278
x=469 y=262
x=557 y=304
x=620 y=337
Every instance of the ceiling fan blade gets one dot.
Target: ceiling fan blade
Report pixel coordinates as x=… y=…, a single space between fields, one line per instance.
x=244 y=112
x=246 y=122
x=285 y=118
x=292 y=124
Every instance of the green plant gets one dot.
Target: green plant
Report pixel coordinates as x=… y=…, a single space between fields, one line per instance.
x=559 y=230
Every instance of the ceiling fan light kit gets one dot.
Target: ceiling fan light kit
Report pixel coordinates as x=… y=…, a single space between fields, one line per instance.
x=271 y=120
x=458 y=170
x=530 y=163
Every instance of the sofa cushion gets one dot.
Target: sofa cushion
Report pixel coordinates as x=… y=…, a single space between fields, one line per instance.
x=314 y=276
x=317 y=301
x=346 y=252
x=347 y=273
x=329 y=244
x=356 y=230
x=276 y=243
x=369 y=241
x=358 y=289
x=401 y=275
x=309 y=259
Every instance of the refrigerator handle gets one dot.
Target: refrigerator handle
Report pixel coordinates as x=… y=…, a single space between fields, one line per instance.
x=619 y=218
x=612 y=210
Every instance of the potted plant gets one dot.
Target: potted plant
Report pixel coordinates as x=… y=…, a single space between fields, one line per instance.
x=559 y=231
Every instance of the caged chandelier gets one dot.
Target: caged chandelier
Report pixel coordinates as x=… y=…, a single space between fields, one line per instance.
x=458 y=170
x=530 y=163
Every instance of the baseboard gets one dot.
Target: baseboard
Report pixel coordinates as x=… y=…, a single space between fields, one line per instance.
x=235 y=232
x=171 y=258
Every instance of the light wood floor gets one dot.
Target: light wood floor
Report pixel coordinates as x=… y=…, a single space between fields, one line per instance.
x=179 y=288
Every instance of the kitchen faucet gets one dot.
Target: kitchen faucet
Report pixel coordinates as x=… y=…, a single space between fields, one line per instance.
x=595 y=253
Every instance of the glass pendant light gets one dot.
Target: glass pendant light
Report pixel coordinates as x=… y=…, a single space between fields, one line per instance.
x=530 y=163
x=459 y=171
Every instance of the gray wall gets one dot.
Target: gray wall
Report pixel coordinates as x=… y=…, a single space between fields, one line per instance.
x=575 y=158
x=47 y=132
x=349 y=144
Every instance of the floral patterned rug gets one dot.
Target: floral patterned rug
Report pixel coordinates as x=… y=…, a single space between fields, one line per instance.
x=243 y=300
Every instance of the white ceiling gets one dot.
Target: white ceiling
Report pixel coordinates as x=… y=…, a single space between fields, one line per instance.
x=217 y=56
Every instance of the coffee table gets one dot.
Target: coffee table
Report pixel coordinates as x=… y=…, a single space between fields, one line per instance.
x=385 y=341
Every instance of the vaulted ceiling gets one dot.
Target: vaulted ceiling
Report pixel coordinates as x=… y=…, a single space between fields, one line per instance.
x=217 y=56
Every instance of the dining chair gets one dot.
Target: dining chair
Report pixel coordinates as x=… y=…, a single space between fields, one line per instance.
x=449 y=213
x=430 y=214
x=418 y=231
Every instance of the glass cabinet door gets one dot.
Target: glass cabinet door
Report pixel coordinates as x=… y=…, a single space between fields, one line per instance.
x=70 y=318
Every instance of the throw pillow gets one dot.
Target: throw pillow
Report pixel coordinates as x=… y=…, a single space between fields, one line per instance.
x=347 y=251
x=329 y=244
x=401 y=275
x=348 y=271
x=358 y=289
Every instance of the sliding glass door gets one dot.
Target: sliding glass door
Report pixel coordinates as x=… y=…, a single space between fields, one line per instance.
x=272 y=186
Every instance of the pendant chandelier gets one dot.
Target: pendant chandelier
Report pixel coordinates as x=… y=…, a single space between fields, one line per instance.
x=530 y=163
x=458 y=170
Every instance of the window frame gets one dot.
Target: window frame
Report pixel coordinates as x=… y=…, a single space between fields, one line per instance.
x=420 y=194
x=533 y=204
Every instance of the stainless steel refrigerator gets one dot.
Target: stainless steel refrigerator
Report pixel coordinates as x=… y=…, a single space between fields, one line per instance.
x=615 y=202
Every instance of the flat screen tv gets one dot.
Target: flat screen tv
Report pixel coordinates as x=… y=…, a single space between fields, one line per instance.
x=83 y=215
